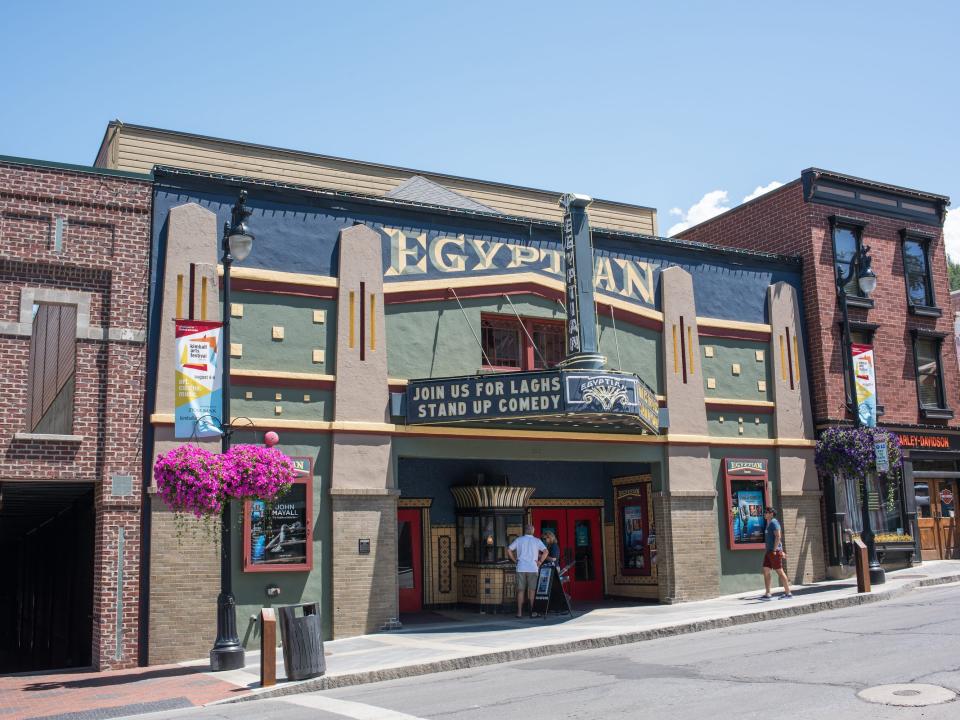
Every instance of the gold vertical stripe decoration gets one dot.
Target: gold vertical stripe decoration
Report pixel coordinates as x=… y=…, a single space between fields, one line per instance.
x=690 y=348
x=783 y=359
x=353 y=318
x=203 y=298
x=676 y=356
x=179 y=296
x=373 y=321
x=796 y=359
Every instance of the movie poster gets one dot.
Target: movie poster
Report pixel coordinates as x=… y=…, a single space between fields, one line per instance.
x=279 y=530
x=633 y=538
x=748 y=516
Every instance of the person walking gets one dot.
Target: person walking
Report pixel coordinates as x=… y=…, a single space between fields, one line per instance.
x=774 y=556
x=528 y=552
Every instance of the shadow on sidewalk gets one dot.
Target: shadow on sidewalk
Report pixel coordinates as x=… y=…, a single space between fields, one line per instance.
x=91 y=678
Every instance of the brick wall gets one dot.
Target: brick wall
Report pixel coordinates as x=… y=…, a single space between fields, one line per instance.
x=687 y=549
x=365 y=586
x=105 y=252
x=782 y=222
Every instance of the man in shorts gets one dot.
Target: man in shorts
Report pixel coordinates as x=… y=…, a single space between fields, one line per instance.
x=774 y=556
x=528 y=552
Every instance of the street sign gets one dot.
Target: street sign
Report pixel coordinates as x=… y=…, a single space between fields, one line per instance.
x=883 y=458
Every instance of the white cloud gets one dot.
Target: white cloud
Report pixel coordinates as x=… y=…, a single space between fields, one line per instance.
x=716 y=201
x=951 y=234
x=710 y=205
x=761 y=189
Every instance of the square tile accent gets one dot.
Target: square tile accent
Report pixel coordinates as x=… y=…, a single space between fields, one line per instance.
x=756 y=420
x=741 y=430
x=318 y=355
x=278 y=332
x=306 y=398
x=236 y=309
x=319 y=316
x=236 y=349
x=759 y=354
x=735 y=368
x=248 y=395
x=711 y=383
x=277 y=410
x=721 y=419
x=708 y=350
x=278 y=396
x=761 y=385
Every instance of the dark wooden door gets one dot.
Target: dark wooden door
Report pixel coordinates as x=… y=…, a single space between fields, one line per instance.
x=937 y=519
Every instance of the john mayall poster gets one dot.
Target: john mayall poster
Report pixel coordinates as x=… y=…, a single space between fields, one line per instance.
x=197 y=384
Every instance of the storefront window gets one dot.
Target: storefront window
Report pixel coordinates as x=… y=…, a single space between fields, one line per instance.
x=484 y=538
x=885 y=503
x=501 y=342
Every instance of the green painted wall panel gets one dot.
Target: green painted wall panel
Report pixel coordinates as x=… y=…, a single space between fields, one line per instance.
x=726 y=353
x=295 y=587
x=640 y=351
x=261 y=311
x=730 y=427
x=263 y=403
x=740 y=570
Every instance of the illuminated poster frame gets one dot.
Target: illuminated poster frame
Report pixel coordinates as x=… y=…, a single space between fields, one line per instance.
x=747 y=494
x=258 y=524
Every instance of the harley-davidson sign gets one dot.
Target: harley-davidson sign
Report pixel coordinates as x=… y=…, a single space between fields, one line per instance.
x=531 y=395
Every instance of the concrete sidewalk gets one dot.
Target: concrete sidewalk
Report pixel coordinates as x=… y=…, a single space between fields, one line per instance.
x=457 y=640
x=472 y=640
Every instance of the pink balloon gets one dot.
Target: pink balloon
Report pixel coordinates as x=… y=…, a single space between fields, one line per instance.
x=270 y=439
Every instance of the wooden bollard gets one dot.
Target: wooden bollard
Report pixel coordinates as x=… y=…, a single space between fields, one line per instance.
x=268 y=647
x=863 y=566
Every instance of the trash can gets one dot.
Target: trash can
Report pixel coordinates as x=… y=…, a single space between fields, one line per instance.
x=302 y=641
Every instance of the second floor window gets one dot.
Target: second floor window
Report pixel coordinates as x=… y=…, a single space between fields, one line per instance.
x=53 y=362
x=846 y=242
x=508 y=347
x=916 y=271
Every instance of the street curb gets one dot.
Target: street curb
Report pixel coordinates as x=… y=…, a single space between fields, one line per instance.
x=503 y=656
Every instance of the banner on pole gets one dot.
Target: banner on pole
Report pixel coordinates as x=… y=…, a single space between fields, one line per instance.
x=198 y=382
x=882 y=456
x=866 y=381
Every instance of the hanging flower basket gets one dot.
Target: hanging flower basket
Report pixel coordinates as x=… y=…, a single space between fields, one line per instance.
x=193 y=480
x=253 y=472
x=190 y=480
x=851 y=451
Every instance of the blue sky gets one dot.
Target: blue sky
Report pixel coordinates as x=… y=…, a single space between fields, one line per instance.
x=682 y=106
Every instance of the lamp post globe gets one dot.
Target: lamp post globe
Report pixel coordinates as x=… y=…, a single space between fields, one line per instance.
x=240 y=242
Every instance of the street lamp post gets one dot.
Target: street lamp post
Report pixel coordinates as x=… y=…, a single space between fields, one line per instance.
x=867 y=280
x=227 y=652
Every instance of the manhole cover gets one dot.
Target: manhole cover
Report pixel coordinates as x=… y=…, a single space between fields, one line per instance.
x=912 y=695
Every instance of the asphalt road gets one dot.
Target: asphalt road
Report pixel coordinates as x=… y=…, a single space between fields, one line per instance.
x=812 y=666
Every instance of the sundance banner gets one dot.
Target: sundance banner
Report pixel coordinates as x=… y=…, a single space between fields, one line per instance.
x=198 y=380
x=866 y=380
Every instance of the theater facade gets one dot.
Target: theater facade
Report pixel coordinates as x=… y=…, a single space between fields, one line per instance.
x=445 y=373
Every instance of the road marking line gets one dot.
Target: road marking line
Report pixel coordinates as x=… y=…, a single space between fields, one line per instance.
x=347 y=708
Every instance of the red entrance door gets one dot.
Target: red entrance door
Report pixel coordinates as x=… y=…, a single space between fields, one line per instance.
x=409 y=561
x=578 y=532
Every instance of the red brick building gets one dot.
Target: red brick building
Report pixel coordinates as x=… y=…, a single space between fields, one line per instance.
x=908 y=320
x=74 y=260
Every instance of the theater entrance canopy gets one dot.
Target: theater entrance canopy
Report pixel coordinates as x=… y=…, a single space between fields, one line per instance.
x=581 y=400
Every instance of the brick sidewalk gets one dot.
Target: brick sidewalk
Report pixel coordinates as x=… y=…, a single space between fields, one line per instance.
x=95 y=695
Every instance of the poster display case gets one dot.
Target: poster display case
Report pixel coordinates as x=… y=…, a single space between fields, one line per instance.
x=276 y=536
x=747 y=493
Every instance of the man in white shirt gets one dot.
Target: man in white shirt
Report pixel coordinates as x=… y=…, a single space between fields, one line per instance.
x=528 y=552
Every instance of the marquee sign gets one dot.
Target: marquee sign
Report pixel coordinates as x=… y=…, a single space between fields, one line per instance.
x=544 y=394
